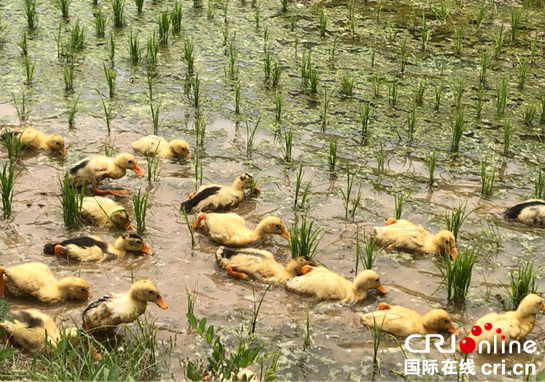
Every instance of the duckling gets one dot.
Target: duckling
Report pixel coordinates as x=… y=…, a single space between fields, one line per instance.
x=403 y=322
x=514 y=325
x=94 y=170
x=38 y=140
x=118 y=308
x=154 y=145
x=37 y=280
x=93 y=248
x=531 y=213
x=230 y=229
x=259 y=264
x=217 y=197
x=406 y=236
x=327 y=285
x=30 y=328
x=103 y=211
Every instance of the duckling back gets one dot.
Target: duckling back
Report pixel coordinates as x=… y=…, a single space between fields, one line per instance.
x=531 y=213
x=251 y=262
x=29 y=327
x=323 y=284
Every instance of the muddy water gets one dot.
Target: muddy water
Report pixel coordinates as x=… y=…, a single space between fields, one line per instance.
x=341 y=347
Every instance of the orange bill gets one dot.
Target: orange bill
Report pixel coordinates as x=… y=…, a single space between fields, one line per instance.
x=543 y=305
x=161 y=303
x=453 y=329
x=381 y=288
x=138 y=170
x=129 y=227
x=256 y=188
x=88 y=294
x=286 y=235
x=63 y=151
x=188 y=156
x=453 y=253
x=145 y=248
x=383 y=306
x=306 y=269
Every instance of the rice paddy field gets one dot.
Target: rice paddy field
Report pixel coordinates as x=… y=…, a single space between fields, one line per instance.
x=345 y=112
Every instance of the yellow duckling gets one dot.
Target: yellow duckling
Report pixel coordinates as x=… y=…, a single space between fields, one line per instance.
x=101 y=212
x=118 y=308
x=215 y=197
x=37 y=280
x=230 y=229
x=259 y=264
x=94 y=170
x=30 y=328
x=38 y=140
x=93 y=248
x=403 y=322
x=406 y=236
x=531 y=213
x=327 y=285
x=154 y=145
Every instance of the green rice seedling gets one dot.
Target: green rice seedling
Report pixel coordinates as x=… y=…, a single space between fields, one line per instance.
x=71 y=202
x=430 y=164
x=498 y=43
x=276 y=72
x=456 y=218
x=533 y=48
x=211 y=12
x=233 y=53
x=155 y=110
x=326 y=100
x=164 y=27
x=267 y=65
x=365 y=255
x=438 y=90
x=140 y=205
x=284 y=5
x=484 y=66
x=153 y=167
x=65 y=8
x=322 y=17
x=457 y=273
x=501 y=96
x=403 y=55
x=529 y=114
x=346 y=194
x=314 y=80
x=30 y=14
x=308 y=332
x=100 y=24
x=457 y=94
x=150 y=78
x=376 y=333
x=29 y=69
x=414 y=21
x=420 y=90
x=257 y=15
x=487 y=178
x=176 y=17
x=251 y=133
x=493 y=234
x=111 y=49
x=152 y=49
x=237 y=98
x=442 y=13
x=480 y=16
x=458 y=126
x=539 y=186
x=293 y=21
x=139 y=5
x=376 y=84
x=256 y=309
x=542 y=120
x=298 y=187
x=198 y=168
x=523 y=66
x=507 y=135
x=352 y=19
x=14 y=145
x=515 y=19
x=225 y=11
x=400 y=198
x=109 y=148
x=411 y=123
x=189 y=55
x=458 y=39
x=191 y=298
x=305 y=239
x=278 y=101
x=392 y=94
x=381 y=158
x=425 y=33
x=391 y=35
x=183 y=213
x=196 y=91
x=197 y=4
x=479 y=101
x=22 y=107
x=72 y=109
x=347 y=85
x=23 y=44
x=364 y=113
x=118 y=11
x=333 y=49
x=108 y=114
x=77 y=39
x=110 y=75
x=8 y=178
x=523 y=283
x=333 y=144
x=287 y=144
x=200 y=129
x=134 y=48
x=266 y=39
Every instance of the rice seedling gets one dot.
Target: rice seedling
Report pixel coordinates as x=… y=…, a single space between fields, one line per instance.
x=183 y=213
x=403 y=55
x=352 y=18
x=237 y=98
x=176 y=17
x=155 y=110
x=484 y=66
x=77 y=39
x=251 y=133
x=287 y=144
x=380 y=157
x=21 y=107
x=364 y=113
x=196 y=91
x=456 y=218
x=276 y=72
x=493 y=234
x=522 y=282
x=118 y=10
x=233 y=53
x=152 y=49
x=134 y=48
x=529 y=114
x=197 y=4
x=313 y=81
x=14 y=145
x=211 y=12
x=108 y=114
x=392 y=94
x=256 y=309
x=298 y=187
x=391 y=35
x=100 y=24
x=325 y=105
x=164 y=27
x=153 y=167
x=139 y=5
x=457 y=93
x=109 y=148
x=111 y=49
x=457 y=273
x=458 y=126
x=267 y=65
x=191 y=298
x=533 y=49
x=411 y=123
x=373 y=51
x=225 y=11
x=8 y=178
x=376 y=333
x=150 y=78
x=65 y=8
x=441 y=14
x=350 y=178
x=333 y=49
x=278 y=101
x=498 y=43
x=72 y=109
x=487 y=178
x=189 y=55
x=501 y=96
x=284 y=5
x=430 y=164
x=376 y=84
x=110 y=75
x=333 y=144
x=322 y=17
x=542 y=120
x=420 y=90
x=30 y=14
x=198 y=168
x=200 y=129
x=480 y=16
x=437 y=90
x=257 y=15
x=479 y=101
x=539 y=186
x=458 y=39
x=347 y=85
x=400 y=198
x=425 y=33
x=293 y=21
x=365 y=255
x=378 y=6
x=308 y=333
x=523 y=66
x=29 y=69
x=23 y=44
x=507 y=135
x=140 y=205
x=515 y=19
x=71 y=202
x=305 y=239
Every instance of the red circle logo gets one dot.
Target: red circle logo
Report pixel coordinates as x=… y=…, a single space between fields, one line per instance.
x=467 y=345
x=476 y=330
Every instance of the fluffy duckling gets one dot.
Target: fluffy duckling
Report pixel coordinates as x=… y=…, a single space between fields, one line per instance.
x=217 y=197
x=30 y=328
x=531 y=213
x=118 y=308
x=37 y=280
x=154 y=145
x=38 y=140
x=406 y=236
x=327 y=285
x=230 y=229
x=93 y=248
x=259 y=264
x=94 y=170
x=403 y=322
x=514 y=325
x=101 y=212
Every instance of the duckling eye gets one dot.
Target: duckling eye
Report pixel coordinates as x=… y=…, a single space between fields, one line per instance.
x=130 y=161
x=83 y=289
x=150 y=292
x=446 y=321
x=278 y=226
x=377 y=280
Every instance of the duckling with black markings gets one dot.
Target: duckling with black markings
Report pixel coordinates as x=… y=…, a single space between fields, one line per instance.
x=531 y=213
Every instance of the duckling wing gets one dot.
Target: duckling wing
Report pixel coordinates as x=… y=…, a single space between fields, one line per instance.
x=202 y=200
x=319 y=282
x=391 y=322
x=98 y=313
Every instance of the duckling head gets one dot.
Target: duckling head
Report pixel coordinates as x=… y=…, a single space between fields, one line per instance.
x=56 y=143
x=120 y=219
x=439 y=320
x=446 y=242
x=180 y=148
x=146 y=291
x=132 y=242
x=244 y=181
x=273 y=225
x=128 y=162
x=75 y=287
x=368 y=279
x=530 y=305
x=295 y=266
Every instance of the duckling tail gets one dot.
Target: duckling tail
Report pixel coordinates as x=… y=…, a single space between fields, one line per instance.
x=49 y=249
